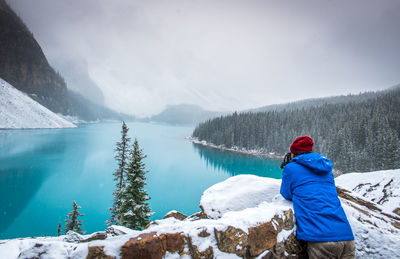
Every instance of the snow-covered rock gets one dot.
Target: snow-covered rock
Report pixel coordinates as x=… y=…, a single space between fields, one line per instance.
x=372 y=205
x=238 y=193
x=381 y=187
x=19 y=111
x=242 y=216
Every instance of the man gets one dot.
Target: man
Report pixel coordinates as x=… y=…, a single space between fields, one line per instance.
x=307 y=180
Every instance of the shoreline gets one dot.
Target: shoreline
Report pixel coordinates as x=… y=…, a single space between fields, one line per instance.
x=251 y=152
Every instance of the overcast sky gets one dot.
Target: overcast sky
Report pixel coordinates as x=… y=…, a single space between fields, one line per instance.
x=222 y=55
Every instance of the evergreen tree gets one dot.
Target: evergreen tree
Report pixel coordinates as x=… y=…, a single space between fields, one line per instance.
x=135 y=211
x=72 y=222
x=358 y=133
x=122 y=152
x=59 y=229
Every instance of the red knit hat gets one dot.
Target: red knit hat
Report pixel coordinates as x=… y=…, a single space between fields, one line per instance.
x=301 y=144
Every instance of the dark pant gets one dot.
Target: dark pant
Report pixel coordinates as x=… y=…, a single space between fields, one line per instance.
x=336 y=250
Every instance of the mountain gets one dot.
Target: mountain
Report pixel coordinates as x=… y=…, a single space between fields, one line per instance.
x=184 y=114
x=75 y=71
x=241 y=217
x=17 y=110
x=24 y=65
x=86 y=110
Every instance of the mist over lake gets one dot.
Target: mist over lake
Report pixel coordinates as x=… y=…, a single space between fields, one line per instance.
x=43 y=171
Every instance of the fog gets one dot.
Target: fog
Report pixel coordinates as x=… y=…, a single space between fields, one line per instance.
x=221 y=55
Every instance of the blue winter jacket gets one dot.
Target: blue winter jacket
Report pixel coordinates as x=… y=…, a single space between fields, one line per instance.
x=308 y=181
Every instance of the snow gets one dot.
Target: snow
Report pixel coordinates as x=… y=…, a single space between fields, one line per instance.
x=9 y=249
x=248 y=217
x=283 y=235
x=238 y=193
x=129 y=213
x=382 y=187
x=241 y=201
x=19 y=111
x=375 y=236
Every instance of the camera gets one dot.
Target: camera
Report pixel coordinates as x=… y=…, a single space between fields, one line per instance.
x=286 y=160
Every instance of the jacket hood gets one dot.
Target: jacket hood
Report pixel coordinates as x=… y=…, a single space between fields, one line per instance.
x=316 y=162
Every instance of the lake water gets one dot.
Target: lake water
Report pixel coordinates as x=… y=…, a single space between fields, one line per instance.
x=43 y=171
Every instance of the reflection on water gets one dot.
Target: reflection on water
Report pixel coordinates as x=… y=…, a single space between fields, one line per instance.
x=23 y=168
x=27 y=159
x=18 y=186
x=43 y=171
x=236 y=163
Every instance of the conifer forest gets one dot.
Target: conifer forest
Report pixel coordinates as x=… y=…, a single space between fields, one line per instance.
x=357 y=136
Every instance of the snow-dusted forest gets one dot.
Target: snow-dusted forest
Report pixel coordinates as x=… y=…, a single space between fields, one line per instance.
x=361 y=135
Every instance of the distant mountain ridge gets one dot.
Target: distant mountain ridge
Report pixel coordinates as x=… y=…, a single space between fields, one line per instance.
x=321 y=101
x=194 y=114
x=184 y=114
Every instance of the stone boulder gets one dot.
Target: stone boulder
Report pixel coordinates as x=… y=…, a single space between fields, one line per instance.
x=175 y=214
x=153 y=246
x=260 y=238
x=72 y=237
x=197 y=216
x=97 y=252
x=115 y=230
x=101 y=235
x=232 y=240
x=196 y=253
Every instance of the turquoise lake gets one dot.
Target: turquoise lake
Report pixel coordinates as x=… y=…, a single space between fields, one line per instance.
x=43 y=171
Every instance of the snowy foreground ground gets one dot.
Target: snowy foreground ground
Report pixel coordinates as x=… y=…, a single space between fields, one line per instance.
x=19 y=111
x=242 y=217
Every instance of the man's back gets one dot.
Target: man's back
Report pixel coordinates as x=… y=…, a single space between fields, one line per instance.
x=308 y=181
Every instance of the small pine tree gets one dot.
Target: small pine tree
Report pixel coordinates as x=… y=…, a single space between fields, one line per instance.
x=59 y=229
x=135 y=211
x=122 y=151
x=72 y=222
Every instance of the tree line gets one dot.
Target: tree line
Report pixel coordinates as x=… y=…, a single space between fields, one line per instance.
x=356 y=136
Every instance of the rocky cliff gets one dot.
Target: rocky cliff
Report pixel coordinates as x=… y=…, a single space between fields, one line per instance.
x=24 y=65
x=242 y=217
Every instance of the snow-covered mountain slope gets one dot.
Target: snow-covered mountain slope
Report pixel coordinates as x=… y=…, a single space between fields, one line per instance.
x=242 y=217
x=19 y=111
